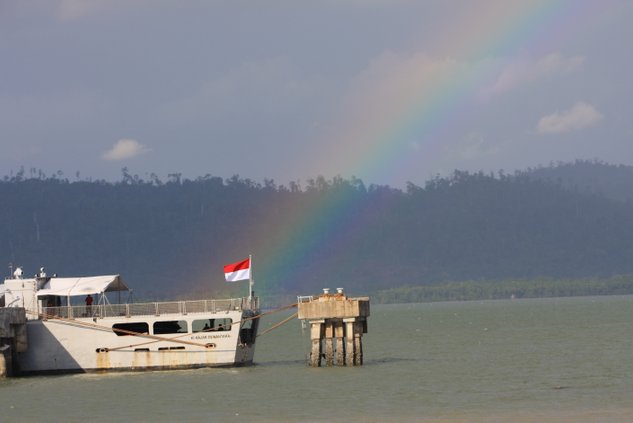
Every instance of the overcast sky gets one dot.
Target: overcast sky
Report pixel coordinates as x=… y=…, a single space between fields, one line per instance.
x=389 y=91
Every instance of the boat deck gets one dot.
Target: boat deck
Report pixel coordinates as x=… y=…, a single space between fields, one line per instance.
x=101 y=311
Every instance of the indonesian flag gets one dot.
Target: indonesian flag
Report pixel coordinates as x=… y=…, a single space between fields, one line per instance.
x=238 y=271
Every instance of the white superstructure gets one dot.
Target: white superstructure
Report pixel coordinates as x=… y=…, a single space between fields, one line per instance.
x=67 y=334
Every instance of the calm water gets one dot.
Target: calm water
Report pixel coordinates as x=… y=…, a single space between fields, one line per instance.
x=549 y=360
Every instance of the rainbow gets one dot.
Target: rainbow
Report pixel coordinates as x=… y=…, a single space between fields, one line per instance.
x=375 y=144
x=416 y=106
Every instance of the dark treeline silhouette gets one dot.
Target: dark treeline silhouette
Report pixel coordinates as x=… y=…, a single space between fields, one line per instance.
x=507 y=289
x=172 y=237
x=589 y=176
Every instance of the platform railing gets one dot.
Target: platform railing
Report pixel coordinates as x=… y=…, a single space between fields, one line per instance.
x=100 y=311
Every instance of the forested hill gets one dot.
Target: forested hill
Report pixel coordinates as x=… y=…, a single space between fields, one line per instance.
x=592 y=177
x=173 y=237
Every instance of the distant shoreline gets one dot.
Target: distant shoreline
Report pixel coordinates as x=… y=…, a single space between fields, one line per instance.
x=506 y=289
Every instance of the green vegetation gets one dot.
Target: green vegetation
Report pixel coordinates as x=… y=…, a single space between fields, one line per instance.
x=494 y=290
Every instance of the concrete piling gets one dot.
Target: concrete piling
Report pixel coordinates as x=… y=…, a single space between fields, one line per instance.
x=316 y=331
x=329 y=344
x=339 y=333
x=12 y=338
x=337 y=324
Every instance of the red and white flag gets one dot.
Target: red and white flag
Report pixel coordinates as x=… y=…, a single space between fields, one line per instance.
x=238 y=271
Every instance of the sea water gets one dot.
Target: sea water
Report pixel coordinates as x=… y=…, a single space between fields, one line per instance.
x=541 y=360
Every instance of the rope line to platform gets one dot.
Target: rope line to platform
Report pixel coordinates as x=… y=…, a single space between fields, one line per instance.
x=155 y=338
x=177 y=340
x=286 y=320
x=102 y=328
x=259 y=316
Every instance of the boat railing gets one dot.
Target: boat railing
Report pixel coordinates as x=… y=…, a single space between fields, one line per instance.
x=151 y=309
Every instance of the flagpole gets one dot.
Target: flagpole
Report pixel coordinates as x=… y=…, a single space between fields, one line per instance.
x=251 y=282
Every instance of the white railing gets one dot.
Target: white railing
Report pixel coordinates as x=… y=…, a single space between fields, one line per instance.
x=151 y=309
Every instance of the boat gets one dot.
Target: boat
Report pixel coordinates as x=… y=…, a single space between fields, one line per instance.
x=67 y=330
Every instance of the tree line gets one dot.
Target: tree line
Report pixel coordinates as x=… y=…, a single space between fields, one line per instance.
x=172 y=237
x=507 y=289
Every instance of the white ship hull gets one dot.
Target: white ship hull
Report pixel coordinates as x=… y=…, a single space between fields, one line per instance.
x=105 y=337
x=81 y=345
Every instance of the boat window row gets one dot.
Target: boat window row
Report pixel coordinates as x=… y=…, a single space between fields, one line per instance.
x=172 y=326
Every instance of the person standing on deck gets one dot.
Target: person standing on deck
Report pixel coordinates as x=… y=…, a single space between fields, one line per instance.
x=89 y=305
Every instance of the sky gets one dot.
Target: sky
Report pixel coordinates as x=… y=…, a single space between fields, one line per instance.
x=388 y=91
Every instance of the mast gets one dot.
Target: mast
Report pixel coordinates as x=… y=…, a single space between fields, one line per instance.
x=251 y=281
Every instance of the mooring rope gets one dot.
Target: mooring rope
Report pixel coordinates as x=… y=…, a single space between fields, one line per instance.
x=155 y=338
x=258 y=316
x=286 y=320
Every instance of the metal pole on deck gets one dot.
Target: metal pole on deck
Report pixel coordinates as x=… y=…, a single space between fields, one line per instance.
x=251 y=281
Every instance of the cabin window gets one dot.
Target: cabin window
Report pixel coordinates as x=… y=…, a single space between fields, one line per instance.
x=211 y=325
x=170 y=326
x=170 y=348
x=137 y=327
